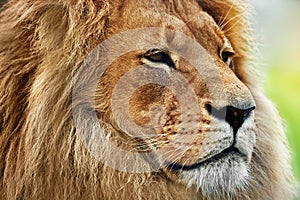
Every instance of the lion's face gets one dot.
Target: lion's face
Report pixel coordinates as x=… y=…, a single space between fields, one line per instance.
x=198 y=123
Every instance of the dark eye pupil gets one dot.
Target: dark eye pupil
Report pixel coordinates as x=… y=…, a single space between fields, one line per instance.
x=160 y=57
x=157 y=57
x=226 y=57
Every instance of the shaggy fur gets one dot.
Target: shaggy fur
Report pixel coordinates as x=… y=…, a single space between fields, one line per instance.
x=42 y=46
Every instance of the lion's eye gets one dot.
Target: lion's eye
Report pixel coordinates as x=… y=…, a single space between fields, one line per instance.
x=227 y=55
x=159 y=56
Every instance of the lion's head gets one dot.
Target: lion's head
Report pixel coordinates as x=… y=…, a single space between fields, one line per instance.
x=135 y=100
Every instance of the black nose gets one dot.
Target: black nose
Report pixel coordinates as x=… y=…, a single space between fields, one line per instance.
x=235 y=117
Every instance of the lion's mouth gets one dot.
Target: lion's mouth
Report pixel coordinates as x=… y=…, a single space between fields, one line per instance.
x=225 y=153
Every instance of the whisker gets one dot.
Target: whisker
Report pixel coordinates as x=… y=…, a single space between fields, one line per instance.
x=231 y=19
x=235 y=33
x=141 y=146
x=177 y=157
x=167 y=160
x=227 y=13
x=185 y=162
x=220 y=18
x=233 y=25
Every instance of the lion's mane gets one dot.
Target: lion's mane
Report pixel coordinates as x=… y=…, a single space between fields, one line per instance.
x=42 y=44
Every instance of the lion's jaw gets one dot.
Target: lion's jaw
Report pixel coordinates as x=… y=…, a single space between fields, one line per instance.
x=224 y=171
x=202 y=149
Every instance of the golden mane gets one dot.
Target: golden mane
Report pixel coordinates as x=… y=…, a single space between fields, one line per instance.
x=42 y=46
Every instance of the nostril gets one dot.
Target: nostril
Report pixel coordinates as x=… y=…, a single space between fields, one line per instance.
x=236 y=117
x=208 y=108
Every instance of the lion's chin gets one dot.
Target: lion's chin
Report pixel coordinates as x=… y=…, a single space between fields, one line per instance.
x=225 y=175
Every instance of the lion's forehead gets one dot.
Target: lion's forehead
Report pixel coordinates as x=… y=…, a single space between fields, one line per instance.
x=183 y=16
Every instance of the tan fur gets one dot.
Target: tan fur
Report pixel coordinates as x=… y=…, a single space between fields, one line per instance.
x=42 y=47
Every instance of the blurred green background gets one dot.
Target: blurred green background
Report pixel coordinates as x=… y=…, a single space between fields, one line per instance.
x=283 y=87
x=277 y=28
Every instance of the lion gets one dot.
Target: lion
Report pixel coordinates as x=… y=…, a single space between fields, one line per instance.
x=142 y=99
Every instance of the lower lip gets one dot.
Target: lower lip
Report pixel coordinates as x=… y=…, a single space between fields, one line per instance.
x=226 y=152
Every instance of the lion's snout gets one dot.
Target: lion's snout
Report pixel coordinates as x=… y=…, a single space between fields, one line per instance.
x=235 y=117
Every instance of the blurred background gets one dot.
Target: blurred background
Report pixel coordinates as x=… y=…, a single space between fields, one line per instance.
x=277 y=28
x=276 y=24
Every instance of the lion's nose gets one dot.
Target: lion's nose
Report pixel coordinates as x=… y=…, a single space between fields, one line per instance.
x=235 y=117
